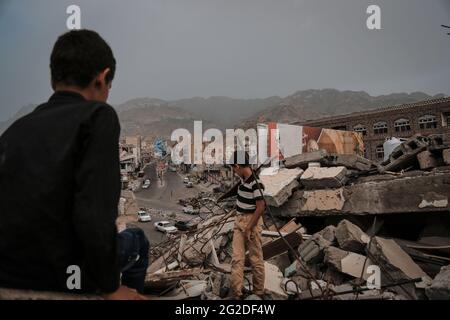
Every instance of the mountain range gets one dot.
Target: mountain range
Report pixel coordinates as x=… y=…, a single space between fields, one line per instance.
x=156 y=117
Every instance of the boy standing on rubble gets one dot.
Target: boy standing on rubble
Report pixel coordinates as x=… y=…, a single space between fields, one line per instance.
x=250 y=207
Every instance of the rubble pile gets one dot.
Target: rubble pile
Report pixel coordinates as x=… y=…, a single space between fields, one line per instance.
x=344 y=259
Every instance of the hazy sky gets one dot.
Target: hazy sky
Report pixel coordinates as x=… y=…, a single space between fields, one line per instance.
x=174 y=49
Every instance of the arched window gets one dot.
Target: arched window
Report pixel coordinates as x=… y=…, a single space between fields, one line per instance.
x=402 y=125
x=428 y=122
x=360 y=128
x=380 y=127
x=379 y=152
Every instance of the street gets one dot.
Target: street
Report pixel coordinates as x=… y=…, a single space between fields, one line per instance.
x=162 y=196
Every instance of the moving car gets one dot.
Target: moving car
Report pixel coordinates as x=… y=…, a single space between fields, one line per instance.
x=165 y=226
x=190 y=210
x=185 y=225
x=146 y=184
x=143 y=216
x=189 y=185
x=186 y=180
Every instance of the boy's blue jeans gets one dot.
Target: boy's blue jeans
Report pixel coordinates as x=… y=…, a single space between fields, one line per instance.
x=133 y=248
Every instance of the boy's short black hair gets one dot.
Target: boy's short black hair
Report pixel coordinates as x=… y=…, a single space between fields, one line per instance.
x=241 y=158
x=78 y=56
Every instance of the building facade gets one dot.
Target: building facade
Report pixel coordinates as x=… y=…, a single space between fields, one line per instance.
x=401 y=121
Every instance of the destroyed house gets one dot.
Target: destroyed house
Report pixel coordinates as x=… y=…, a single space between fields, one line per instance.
x=401 y=121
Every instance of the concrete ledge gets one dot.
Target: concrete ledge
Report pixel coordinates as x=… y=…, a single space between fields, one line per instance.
x=17 y=294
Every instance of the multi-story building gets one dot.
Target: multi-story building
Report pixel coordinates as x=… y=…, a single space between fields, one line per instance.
x=400 y=121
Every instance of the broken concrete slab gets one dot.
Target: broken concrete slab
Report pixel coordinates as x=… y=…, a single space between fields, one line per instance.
x=328 y=233
x=395 y=265
x=434 y=200
x=350 y=161
x=405 y=155
x=427 y=160
x=279 y=186
x=350 y=263
x=363 y=295
x=282 y=261
x=273 y=281
x=322 y=200
x=311 y=251
x=188 y=289
x=382 y=194
x=253 y=297
x=446 y=156
x=322 y=178
x=302 y=160
x=19 y=294
x=350 y=237
x=440 y=286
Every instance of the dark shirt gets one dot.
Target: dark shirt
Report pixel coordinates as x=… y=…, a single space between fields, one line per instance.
x=59 y=193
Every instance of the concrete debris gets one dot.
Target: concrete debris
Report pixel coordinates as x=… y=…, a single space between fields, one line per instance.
x=374 y=195
x=339 y=258
x=280 y=185
x=446 y=156
x=350 y=263
x=350 y=237
x=322 y=178
x=350 y=161
x=273 y=283
x=427 y=160
x=253 y=297
x=302 y=160
x=329 y=233
x=312 y=250
x=440 y=286
x=405 y=155
x=396 y=265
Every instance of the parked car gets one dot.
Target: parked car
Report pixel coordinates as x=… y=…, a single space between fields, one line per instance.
x=173 y=169
x=144 y=216
x=146 y=184
x=185 y=225
x=186 y=180
x=190 y=210
x=165 y=226
x=189 y=185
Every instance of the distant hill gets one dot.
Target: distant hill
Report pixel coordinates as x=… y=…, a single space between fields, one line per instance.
x=156 y=117
x=315 y=104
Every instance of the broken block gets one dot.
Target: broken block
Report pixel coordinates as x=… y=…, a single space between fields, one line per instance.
x=273 y=281
x=394 y=260
x=329 y=233
x=350 y=263
x=427 y=160
x=350 y=237
x=440 y=286
x=280 y=185
x=405 y=155
x=302 y=160
x=446 y=156
x=311 y=250
x=322 y=178
x=350 y=161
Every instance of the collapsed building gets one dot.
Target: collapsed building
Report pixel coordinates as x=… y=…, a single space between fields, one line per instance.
x=334 y=221
x=338 y=226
